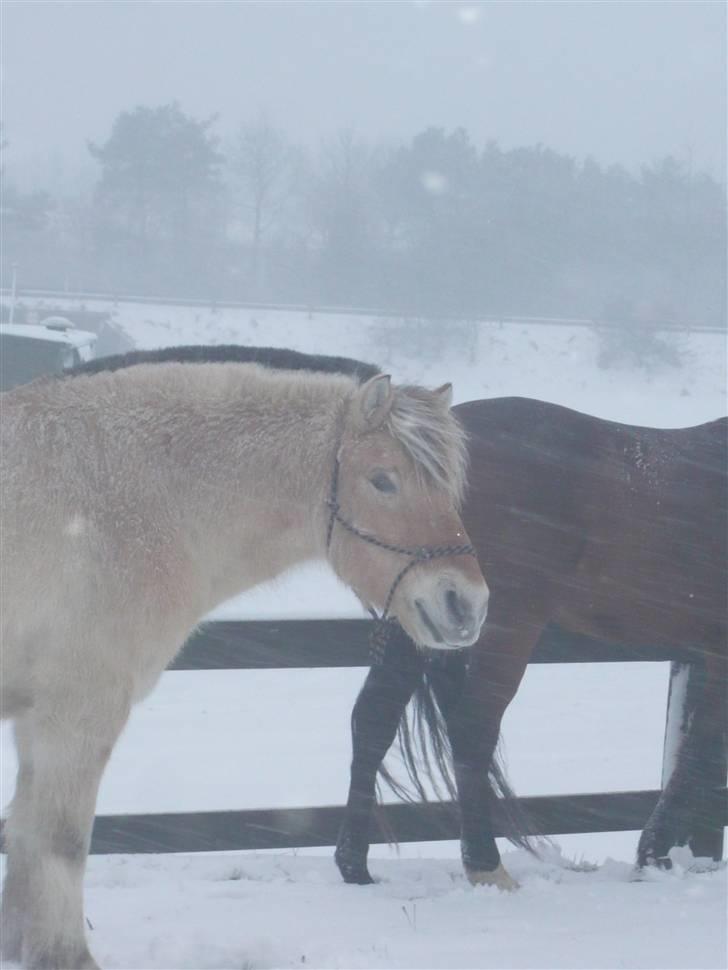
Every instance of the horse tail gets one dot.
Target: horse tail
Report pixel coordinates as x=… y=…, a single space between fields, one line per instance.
x=425 y=752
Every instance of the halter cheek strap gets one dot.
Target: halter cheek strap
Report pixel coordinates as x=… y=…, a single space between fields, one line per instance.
x=417 y=555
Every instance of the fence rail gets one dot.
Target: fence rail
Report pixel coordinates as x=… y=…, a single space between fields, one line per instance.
x=285 y=828
x=309 y=309
x=271 y=644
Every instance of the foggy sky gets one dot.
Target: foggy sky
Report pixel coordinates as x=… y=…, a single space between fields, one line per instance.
x=624 y=82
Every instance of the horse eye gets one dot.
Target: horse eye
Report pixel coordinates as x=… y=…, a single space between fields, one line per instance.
x=383 y=483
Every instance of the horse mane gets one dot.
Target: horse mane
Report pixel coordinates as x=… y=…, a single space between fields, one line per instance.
x=432 y=436
x=429 y=433
x=274 y=357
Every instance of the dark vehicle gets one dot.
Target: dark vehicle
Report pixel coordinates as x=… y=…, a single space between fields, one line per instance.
x=28 y=351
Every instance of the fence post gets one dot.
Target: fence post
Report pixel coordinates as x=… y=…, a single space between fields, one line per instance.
x=709 y=764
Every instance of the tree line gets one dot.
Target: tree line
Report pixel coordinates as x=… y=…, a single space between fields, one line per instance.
x=434 y=225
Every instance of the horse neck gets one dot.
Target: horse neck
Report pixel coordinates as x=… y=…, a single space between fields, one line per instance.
x=252 y=458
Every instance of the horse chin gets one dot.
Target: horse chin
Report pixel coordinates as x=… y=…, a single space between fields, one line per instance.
x=430 y=635
x=439 y=636
x=445 y=647
x=456 y=644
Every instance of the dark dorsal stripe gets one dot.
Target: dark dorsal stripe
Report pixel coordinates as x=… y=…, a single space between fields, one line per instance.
x=275 y=357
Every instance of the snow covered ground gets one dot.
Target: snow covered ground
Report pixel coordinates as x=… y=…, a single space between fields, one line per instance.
x=281 y=737
x=280 y=912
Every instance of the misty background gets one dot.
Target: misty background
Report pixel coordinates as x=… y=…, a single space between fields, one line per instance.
x=505 y=158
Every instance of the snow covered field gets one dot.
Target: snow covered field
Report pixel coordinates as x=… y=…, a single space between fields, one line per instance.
x=281 y=737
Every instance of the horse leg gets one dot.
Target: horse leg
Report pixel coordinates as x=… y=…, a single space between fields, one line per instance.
x=72 y=741
x=15 y=836
x=705 y=833
x=374 y=720
x=473 y=715
x=698 y=767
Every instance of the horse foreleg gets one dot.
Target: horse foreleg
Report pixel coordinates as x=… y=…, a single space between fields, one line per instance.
x=473 y=740
x=473 y=714
x=72 y=741
x=374 y=720
x=16 y=837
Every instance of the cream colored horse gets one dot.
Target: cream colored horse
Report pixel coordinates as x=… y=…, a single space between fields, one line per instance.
x=133 y=503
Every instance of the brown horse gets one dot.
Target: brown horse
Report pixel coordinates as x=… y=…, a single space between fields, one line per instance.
x=609 y=530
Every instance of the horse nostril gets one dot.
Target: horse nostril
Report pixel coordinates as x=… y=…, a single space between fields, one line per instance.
x=455 y=608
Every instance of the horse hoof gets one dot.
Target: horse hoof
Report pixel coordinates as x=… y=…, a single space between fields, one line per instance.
x=352 y=862
x=61 y=961
x=354 y=874
x=642 y=868
x=499 y=877
x=663 y=862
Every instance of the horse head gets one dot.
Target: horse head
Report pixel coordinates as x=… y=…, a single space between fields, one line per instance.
x=395 y=534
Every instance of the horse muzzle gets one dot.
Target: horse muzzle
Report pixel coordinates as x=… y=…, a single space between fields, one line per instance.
x=451 y=616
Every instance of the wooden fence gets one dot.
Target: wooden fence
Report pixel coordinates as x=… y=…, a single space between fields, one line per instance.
x=344 y=643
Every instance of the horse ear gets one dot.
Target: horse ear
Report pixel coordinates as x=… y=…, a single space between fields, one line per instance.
x=444 y=395
x=372 y=402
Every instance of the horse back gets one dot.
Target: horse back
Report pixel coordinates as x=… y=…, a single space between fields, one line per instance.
x=619 y=530
x=529 y=461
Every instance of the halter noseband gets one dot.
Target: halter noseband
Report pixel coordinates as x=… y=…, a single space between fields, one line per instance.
x=417 y=555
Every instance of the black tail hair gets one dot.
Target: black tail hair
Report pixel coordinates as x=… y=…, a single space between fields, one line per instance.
x=424 y=747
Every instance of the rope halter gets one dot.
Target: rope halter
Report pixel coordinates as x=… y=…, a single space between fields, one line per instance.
x=418 y=554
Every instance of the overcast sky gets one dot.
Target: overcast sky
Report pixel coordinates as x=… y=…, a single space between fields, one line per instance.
x=624 y=80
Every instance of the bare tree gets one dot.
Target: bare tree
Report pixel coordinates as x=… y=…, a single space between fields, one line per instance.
x=345 y=213
x=263 y=163
x=159 y=198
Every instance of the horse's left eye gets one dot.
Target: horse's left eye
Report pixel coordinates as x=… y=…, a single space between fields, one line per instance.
x=383 y=483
